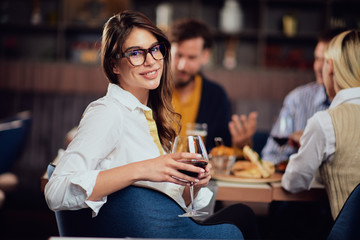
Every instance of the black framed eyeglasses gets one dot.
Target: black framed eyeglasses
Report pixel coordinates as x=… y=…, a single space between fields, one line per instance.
x=137 y=57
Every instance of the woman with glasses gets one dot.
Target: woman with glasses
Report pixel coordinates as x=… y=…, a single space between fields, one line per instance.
x=123 y=137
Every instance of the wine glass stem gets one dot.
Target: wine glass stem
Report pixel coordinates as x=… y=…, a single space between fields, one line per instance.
x=281 y=149
x=192 y=196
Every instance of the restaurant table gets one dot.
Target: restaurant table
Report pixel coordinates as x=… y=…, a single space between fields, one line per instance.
x=231 y=188
x=266 y=192
x=263 y=192
x=243 y=192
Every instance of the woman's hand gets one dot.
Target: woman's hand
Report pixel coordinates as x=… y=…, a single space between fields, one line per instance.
x=204 y=177
x=165 y=168
x=161 y=169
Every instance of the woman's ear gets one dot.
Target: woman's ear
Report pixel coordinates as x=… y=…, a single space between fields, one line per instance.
x=328 y=69
x=337 y=87
x=331 y=66
x=328 y=76
x=114 y=66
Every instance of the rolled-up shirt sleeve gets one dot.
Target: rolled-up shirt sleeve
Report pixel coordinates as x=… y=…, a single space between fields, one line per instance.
x=303 y=165
x=74 y=177
x=70 y=191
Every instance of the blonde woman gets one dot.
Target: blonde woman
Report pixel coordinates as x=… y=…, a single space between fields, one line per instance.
x=331 y=138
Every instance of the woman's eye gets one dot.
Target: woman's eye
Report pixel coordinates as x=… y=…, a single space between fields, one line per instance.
x=156 y=48
x=136 y=53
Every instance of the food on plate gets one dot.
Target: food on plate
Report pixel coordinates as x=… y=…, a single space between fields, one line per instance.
x=243 y=165
x=222 y=158
x=254 y=158
x=245 y=168
x=222 y=150
x=248 y=173
x=253 y=167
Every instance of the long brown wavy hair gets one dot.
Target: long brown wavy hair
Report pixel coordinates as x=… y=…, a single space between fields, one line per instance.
x=116 y=31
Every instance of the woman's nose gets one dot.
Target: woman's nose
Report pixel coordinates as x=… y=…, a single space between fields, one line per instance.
x=149 y=59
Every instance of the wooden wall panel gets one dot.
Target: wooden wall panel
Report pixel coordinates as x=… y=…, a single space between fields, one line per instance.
x=52 y=77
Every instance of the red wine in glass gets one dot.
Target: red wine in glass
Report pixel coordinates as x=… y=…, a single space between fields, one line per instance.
x=197 y=163
x=281 y=140
x=285 y=129
x=192 y=144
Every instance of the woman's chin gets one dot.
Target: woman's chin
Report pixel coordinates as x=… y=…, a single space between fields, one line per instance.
x=154 y=84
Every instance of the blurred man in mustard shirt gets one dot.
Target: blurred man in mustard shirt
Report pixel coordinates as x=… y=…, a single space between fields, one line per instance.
x=198 y=99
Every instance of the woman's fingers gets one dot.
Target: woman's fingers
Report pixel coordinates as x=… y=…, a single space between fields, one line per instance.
x=183 y=165
x=174 y=168
x=185 y=155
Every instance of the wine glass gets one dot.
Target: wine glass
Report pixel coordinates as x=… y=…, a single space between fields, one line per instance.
x=282 y=136
x=194 y=129
x=192 y=144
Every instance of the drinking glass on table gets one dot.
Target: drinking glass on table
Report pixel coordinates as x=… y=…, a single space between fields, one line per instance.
x=197 y=129
x=192 y=144
x=283 y=134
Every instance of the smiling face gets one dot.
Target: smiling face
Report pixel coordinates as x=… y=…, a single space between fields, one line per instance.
x=138 y=80
x=319 y=61
x=188 y=58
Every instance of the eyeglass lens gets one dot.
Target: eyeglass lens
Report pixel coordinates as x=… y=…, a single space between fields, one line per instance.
x=138 y=56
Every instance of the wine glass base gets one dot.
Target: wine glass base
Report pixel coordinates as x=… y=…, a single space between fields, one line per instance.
x=193 y=214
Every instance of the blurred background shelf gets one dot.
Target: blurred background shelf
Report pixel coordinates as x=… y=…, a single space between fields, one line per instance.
x=46 y=30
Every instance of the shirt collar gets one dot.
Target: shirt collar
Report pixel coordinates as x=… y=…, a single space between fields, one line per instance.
x=125 y=97
x=321 y=97
x=345 y=95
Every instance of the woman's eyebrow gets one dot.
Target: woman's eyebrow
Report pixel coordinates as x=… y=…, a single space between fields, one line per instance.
x=138 y=47
x=133 y=48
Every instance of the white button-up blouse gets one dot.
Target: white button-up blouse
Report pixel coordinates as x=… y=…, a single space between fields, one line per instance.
x=317 y=145
x=113 y=132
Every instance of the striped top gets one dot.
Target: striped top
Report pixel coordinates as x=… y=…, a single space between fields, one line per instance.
x=300 y=104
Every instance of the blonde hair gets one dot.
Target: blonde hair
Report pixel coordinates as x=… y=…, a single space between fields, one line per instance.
x=344 y=50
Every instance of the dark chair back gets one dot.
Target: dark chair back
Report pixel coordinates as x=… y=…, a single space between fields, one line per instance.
x=259 y=140
x=13 y=136
x=347 y=223
x=140 y=213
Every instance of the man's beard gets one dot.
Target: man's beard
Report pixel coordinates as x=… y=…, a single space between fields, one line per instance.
x=184 y=84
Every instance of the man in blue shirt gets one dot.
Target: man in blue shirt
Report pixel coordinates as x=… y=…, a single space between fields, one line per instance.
x=299 y=105
x=305 y=220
